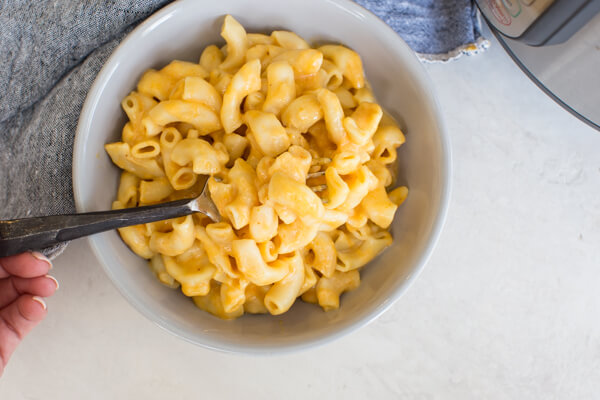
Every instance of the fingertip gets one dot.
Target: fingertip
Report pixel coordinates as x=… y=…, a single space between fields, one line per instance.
x=39 y=256
x=25 y=265
x=41 y=287
x=32 y=308
x=41 y=301
x=53 y=279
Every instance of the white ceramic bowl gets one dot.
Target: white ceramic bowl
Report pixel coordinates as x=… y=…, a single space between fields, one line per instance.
x=180 y=31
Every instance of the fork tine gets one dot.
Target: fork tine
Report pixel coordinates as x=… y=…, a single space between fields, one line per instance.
x=318 y=188
x=315 y=174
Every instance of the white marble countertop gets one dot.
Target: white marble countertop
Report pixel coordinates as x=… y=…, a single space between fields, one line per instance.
x=507 y=307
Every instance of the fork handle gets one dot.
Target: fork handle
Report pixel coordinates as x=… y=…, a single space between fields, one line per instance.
x=19 y=235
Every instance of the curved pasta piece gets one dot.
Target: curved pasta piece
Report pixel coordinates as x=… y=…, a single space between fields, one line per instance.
x=295 y=197
x=244 y=82
x=222 y=234
x=250 y=262
x=192 y=270
x=221 y=194
x=156 y=84
x=202 y=117
x=323 y=254
x=319 y=139
x=177 y=241
x=348 y=62
x=281 y=88
x=220 y=80
x=381 y=172
x=169 y=138
x=294 y=236
x=357 y=256
x=346 y=98
x=360 y=183
x=243 y=178
x=333 y=115
x=254 y=155
x=182 y=178
x=295 y=163
x=212 y=303
x=127 y=194
x=136 y=105
x=357 y=218
x=263 y=223
x=310 y=279
x=258 y=38
x=135 y=236
x=268 y=251
x=332 y=220
x=363 y=122
x=206 y=159
x=120 y=154
x=363 y=95
x=233 y=294
x=337 y=189
x=289 y=40
x=329 y=289
x=282 y=294
x=345 y=162
x=198 y=90
x=344 y=240
x=258 y=52
x=303 y=61
x=310 y=296
x=386 y=140
x=149 y=127
x=146 y=149
x=398 y=195
x=302 y=113
x=158 y=267
x=237 y=43
x=177 y=70
x=157 y=226
x=331 y=76
x=269 y=134
x=138 y=242
x=155 y=190
x=211 y=58
x=130 y=135
x=254 y=101
x=216 y=254
x=235 y=144
x=255 y=299
x=263 y=169
x=362 y=232
x=379 y=208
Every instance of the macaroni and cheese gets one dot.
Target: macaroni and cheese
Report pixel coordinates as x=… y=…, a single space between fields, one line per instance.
x=299 y=158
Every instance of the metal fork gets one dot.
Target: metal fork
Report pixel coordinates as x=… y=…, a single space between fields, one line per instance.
x=19 y=235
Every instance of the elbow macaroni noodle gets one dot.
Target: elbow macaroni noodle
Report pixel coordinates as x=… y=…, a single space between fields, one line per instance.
x=298 y=156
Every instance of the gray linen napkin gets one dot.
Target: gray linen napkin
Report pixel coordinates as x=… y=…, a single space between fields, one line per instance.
x=51 y=51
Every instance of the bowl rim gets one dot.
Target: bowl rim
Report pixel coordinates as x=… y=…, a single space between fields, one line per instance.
x=423 y=82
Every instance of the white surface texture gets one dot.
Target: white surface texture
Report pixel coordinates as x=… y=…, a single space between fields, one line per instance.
x=507 y=307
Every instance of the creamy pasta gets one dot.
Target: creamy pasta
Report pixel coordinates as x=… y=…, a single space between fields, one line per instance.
x=299 y=158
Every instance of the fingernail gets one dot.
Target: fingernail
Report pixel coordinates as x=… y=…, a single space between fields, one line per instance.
x=41 y=257
x=54 y=279
x=40 y=300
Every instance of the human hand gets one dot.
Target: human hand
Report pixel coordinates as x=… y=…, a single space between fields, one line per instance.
x=23 y=284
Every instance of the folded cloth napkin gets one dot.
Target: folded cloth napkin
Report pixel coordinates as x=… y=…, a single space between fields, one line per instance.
x=51 y=51
x=437 y=30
